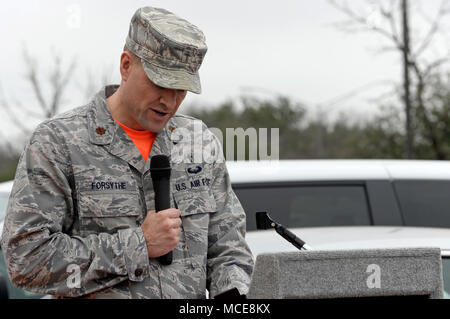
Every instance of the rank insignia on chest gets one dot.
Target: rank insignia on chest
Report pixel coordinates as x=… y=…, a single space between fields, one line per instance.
x=100 y=130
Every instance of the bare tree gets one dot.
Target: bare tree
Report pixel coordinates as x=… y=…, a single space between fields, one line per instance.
x=92 y=83
x=392 y=20
x=47 y=104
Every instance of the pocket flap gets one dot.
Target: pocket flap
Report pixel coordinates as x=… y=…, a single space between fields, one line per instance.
x=108 y=205
x=195 y=203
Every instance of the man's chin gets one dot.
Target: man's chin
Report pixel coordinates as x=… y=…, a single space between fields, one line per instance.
x=155 y=128
x=153 y=125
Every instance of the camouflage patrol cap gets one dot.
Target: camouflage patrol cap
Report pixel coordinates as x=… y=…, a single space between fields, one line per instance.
x=171 y=49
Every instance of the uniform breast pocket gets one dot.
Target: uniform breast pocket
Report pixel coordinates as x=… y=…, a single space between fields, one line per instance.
x=196 y=208
x=107 y=212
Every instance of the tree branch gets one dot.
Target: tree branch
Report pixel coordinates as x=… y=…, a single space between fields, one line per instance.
x=32 y=77
x=10 y=113
x=434 y=28
x=27 y=110
x=59 y=83
x=363 y=21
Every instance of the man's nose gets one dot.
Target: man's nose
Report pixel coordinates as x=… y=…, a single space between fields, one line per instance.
x=169 y=97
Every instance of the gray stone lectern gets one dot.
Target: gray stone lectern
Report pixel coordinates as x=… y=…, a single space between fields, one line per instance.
x=348 y=274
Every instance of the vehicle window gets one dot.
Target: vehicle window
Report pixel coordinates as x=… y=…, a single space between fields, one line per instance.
x=424 y=203
x=307 y=206
x=3 y=204
x=446 y=274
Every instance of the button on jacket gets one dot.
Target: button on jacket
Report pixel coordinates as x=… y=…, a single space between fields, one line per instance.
x=81 y=191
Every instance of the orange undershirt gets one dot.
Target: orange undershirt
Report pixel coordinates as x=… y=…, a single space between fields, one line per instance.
x=143 y=140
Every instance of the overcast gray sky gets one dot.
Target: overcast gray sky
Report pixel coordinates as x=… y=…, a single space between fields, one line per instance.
x=285 y=47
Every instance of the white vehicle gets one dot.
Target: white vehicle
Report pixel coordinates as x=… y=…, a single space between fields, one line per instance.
x=5 y=190
x=317 y=193
x=374 y=203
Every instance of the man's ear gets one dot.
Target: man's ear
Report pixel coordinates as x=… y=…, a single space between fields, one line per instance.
x=126 y=64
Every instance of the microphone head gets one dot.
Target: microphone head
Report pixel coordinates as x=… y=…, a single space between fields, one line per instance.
x=160 y=167
x=263 y=221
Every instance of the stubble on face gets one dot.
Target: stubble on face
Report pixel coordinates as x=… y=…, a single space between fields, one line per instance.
x=158 y=106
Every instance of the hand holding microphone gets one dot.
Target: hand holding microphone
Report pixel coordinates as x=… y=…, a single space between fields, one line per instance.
x=161 y=231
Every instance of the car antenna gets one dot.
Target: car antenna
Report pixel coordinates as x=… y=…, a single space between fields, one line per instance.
x=263 y=221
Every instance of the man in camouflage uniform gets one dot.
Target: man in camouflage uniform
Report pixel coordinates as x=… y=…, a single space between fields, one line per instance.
x=81 y=220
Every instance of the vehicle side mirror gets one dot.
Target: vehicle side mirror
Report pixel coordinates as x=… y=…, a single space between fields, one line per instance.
x=3 y=288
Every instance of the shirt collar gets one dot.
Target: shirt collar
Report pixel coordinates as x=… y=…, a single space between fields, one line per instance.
x=103 y=130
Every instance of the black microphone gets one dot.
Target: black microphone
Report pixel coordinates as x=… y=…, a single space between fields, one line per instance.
x=264 y=221
x=160 y=172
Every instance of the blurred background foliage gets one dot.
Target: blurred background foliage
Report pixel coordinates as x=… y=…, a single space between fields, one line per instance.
x=305 y=137
x=415 y=124
x=314 y=137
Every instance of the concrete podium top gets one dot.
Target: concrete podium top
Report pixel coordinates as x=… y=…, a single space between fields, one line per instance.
x=348 y=274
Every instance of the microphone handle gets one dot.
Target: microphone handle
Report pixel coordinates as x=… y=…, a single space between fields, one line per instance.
x=162 y=202
x=289 y=236
x=162 y=194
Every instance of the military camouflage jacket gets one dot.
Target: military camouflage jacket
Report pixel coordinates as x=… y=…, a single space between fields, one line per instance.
x=81 y=191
